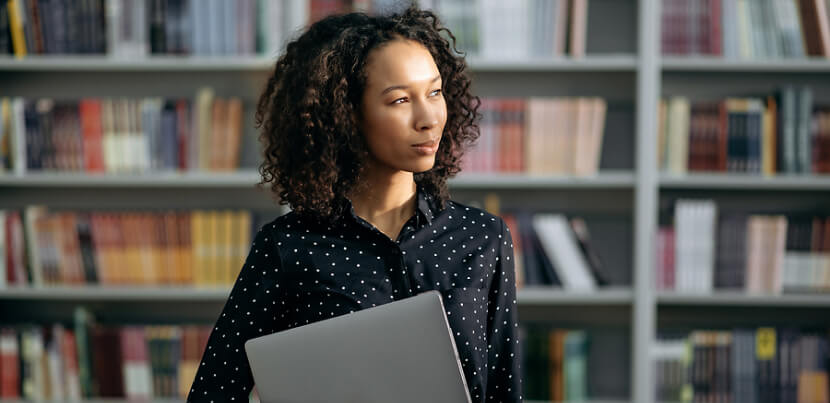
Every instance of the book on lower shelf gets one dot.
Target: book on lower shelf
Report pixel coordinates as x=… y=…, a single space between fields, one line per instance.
x=763 y=364
x=784 y=132
x=756 y=253
x=200 y=248
x=91 y=360
x=554 y=250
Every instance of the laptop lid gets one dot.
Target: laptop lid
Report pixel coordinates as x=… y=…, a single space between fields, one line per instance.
x=402 y=351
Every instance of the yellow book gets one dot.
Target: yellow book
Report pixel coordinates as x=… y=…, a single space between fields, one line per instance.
x=226 y=247
x=132 y=249
x=211 y=243
x=203 y=122
x=197 y=236
x=184 y=247
x=243 y=242
x=16 y=27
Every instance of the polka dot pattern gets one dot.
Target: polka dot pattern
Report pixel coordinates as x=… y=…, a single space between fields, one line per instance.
x=300 y=271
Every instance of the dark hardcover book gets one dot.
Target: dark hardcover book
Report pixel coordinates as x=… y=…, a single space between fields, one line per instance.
x=5 y=31
x=169 y=136
x=87 y=248
x=583 y=237
x=754 y=131
x=804 y=129
x=157 y=13
x=107 y=362
x=74 y=24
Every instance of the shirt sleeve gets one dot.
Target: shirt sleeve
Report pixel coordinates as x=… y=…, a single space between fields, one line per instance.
x=504 y=383
x=224 y=374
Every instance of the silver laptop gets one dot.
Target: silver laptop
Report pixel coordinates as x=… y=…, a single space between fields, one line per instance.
x=402 y=351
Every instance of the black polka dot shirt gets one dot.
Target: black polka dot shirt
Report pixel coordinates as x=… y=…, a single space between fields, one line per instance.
x=299 y=272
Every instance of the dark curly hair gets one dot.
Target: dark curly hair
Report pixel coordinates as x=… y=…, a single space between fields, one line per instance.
x=309 y=112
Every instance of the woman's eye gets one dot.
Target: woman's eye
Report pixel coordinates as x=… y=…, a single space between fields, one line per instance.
x=399 y=101
x=435 y=92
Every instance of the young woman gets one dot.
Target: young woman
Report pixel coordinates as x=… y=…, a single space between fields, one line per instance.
x=363 y=120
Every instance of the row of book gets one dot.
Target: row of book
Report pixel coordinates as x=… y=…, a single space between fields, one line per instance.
x=121 y=135
x=780 y=133
x=492 y=29
x=539 y=136
x=202 y=248
x=138 y=28
x=757 y=253
x=746 y=29
x=499 y=30
x=762 y=365
x=554 y=250
x=90 y=360
x=554 y=364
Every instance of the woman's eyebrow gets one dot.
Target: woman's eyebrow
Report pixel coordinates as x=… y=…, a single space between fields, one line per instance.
x=403 y=87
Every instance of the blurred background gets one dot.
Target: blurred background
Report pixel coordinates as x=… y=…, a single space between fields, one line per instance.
x=663 y=166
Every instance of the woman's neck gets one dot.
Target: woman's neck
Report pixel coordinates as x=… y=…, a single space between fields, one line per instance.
x=386 y=200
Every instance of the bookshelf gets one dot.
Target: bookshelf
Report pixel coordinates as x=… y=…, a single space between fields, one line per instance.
x=623 y=202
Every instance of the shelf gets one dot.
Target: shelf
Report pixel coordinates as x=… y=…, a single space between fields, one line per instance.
x=527 y=296
x=588 y=63
x=745 y=182
x=741 y=299
x=154 y=63
x=555 y=296
x=718 y=64
x=114 y=294
x=238 y=179
x=245 y=179
x=258 y=63
x=614 y=179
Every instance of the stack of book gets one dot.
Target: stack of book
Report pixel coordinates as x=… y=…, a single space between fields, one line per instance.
x=555 y=364
x=781 y=133
x=539 y=136
x=554 y=250
x=762 y=365
x=199 y=248
x=138 y=28
x=767 y=254
x=55 y=363
x=746 y=29
x=121 y=135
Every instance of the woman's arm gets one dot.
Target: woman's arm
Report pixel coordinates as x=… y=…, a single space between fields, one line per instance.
x=504 y=377
x=224 y=374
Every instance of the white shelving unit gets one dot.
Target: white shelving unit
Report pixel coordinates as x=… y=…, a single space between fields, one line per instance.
x=634 y=79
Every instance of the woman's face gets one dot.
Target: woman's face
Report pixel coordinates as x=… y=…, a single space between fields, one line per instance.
x=403 y=109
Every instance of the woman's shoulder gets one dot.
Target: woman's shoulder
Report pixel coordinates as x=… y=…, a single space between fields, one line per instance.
x=475 y=217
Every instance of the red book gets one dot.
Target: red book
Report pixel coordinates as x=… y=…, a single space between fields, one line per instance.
x=9 y=365
x=92 y=134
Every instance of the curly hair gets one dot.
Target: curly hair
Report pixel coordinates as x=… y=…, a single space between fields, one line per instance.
x=308 y=115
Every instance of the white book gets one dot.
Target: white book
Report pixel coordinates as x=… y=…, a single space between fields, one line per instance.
x=34 y=385
x=272 y=19
x=710 y=219
x=729 y=29
x=297 y=13
x=229 y=24
x=18 y=136
x=55 y=364
x=560 y=245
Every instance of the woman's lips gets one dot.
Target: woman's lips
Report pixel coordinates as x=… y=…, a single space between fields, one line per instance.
x=427 y=148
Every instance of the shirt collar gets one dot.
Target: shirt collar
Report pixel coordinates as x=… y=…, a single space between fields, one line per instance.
x=424 y=206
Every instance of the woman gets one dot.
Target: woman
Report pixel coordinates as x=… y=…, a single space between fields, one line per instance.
x=363 y=121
